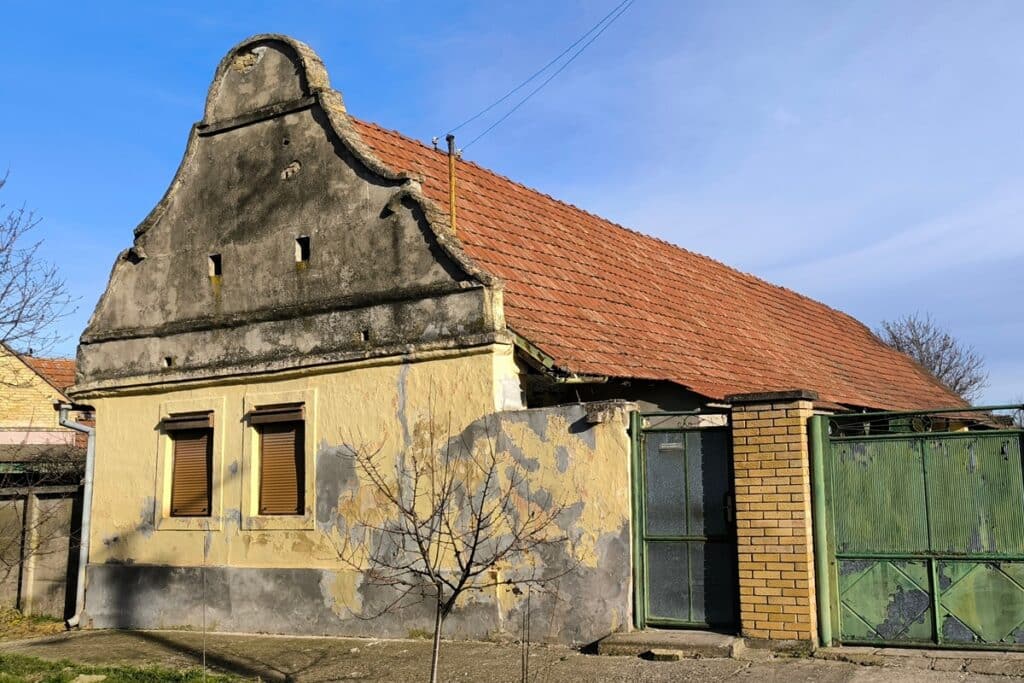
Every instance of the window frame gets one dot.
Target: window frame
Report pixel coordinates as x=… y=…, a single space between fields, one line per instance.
x=251 y=518
x=170 y=411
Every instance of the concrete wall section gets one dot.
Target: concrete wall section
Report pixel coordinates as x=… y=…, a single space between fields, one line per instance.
x=39 y=530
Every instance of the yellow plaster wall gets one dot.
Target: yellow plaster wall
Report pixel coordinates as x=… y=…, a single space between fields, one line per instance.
x=361 y=403
x=26 y=400
x=576 y=459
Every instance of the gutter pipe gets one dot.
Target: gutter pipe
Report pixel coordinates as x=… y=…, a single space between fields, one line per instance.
x=83 y=545
x=819 y=439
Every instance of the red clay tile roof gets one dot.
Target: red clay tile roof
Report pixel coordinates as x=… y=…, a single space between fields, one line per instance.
x=59 y=372
x=602 y=299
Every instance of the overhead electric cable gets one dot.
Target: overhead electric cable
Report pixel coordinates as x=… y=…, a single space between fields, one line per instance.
x=541 y=70
x=605 y=22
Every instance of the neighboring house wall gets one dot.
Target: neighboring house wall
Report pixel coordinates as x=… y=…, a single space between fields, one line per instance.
x=26 y=405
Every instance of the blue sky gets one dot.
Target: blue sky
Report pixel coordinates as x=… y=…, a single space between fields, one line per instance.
x=868 y=154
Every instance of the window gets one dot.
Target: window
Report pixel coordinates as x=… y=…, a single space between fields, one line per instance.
x=302 y=249
x=216 y=267
x=191 y=465
x=282 y=476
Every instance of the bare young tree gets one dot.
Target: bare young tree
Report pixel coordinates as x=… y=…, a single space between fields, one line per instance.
x=33 y=295
x=958 y=366
x=449 y=518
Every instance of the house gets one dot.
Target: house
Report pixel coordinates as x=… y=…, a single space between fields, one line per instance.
x=30 y=386
x=302 y=271
x=40 y=485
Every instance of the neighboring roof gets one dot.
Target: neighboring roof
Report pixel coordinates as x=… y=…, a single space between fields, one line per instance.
x=601 y=299
x=59 y=372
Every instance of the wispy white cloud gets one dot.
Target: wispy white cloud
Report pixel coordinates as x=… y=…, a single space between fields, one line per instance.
x=986 y=233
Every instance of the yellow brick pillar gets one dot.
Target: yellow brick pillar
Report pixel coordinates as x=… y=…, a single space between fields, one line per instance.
x=773 y=515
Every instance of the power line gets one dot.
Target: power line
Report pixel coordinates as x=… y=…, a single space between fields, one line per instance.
x=539 y=71
x=603 y=24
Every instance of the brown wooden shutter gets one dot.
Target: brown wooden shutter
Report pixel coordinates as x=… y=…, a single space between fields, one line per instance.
x=190 y=476
x=282 y=468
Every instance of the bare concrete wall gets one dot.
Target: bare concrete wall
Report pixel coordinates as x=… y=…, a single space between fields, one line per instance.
x=38 y=549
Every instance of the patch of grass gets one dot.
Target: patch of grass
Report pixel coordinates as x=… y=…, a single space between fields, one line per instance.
x=420 y=634
x=22 y=669
x=15 y=625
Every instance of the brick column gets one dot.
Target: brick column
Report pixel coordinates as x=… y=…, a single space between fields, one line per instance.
x=773 y=515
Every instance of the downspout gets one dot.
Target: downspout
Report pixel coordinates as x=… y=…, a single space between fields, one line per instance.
x=819 y=440
x=83 y=545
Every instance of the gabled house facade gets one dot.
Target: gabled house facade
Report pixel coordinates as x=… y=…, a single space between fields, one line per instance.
x=29 y=386
x=301 y=271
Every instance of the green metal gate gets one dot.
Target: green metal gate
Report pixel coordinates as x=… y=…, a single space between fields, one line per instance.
x=685 y=544
x=919 y=534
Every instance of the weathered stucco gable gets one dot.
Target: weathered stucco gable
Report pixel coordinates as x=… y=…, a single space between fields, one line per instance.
x=273 y=160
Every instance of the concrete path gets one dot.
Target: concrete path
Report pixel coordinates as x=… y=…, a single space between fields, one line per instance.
x=272 y=658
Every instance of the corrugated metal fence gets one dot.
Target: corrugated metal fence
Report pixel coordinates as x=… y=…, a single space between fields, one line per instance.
x=925 y=537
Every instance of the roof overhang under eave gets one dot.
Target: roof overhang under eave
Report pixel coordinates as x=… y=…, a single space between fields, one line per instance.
x=544 y=363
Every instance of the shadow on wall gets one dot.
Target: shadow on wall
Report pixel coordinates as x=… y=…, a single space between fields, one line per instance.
x=561 y=447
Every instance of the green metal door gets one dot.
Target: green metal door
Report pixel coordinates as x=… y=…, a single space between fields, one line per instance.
x=686 y=550
x=925 y=537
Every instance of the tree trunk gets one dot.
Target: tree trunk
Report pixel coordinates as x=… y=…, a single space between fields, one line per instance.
x=436 y=650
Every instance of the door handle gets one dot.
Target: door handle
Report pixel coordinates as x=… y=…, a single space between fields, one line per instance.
x=728 y=505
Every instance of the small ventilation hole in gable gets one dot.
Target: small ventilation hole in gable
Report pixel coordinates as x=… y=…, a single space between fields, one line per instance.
x=302 y=248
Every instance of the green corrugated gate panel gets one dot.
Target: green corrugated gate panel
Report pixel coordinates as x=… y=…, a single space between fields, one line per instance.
x=984 y=604
x=890 y=600
x=975 y=490
x=878 y=499
x=928 y=538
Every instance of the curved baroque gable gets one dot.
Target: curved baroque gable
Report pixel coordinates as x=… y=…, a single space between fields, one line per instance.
x=216 y=282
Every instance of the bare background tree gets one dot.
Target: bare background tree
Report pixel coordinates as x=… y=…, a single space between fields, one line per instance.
x=37 y=481
x=33 y=295
x=958 y=366
x=447 y=519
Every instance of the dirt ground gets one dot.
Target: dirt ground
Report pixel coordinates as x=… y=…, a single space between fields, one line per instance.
x=270 y=658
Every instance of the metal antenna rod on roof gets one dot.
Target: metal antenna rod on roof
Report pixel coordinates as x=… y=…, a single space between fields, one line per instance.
x=451 y=181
